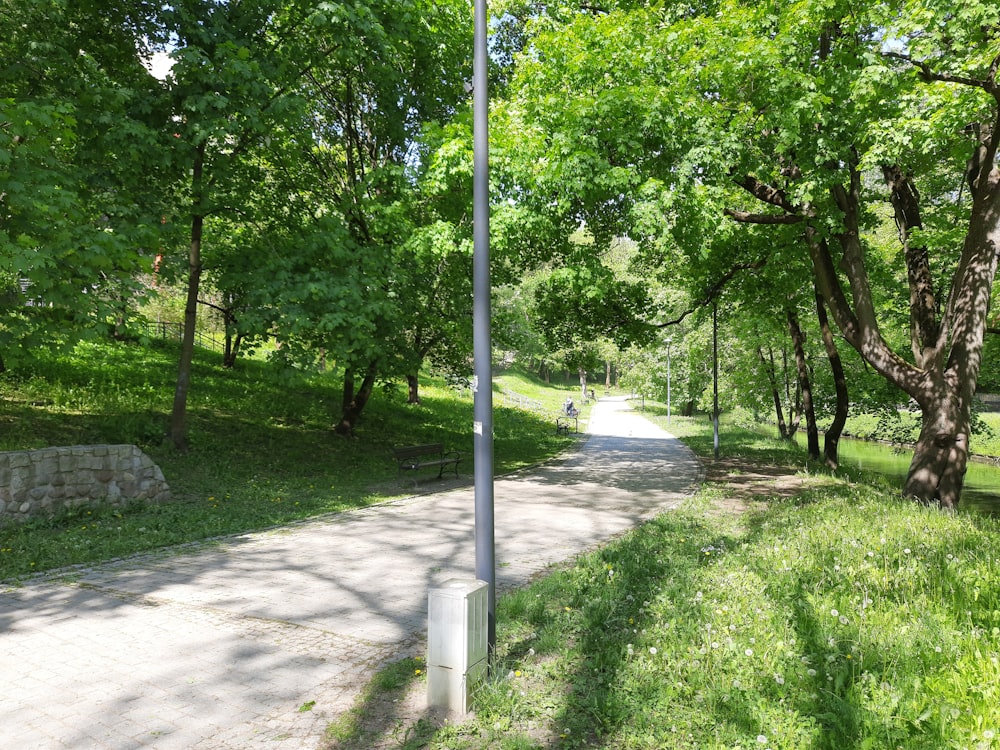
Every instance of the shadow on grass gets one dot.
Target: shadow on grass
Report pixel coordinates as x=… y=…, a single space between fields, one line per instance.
x=389 y=713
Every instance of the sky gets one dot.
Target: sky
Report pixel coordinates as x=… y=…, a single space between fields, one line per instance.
x=159 y=65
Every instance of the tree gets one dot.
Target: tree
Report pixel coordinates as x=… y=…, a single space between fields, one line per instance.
x=820 y=183
x=798 y=117
x=77 y=220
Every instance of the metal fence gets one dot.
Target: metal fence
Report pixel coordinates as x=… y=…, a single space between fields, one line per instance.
x=168 y=331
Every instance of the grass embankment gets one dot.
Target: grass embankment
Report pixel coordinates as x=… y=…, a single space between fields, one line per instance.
x=262 y=450
x=827 y=615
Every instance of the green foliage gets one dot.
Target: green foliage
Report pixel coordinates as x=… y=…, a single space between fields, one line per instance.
x=72 y=117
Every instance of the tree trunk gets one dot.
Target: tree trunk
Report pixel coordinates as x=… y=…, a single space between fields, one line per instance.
x=772 y=379
x=831 y=441
x=607 y=375
x=232 y=349
x=805 y=386
x=413 y=389
x=937 y=471
x=354 y=401
x=583 y=385
x=178 y=416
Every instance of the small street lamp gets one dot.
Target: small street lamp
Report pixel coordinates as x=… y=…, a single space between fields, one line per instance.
x=669 y=339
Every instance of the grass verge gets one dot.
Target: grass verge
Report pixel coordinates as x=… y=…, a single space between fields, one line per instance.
x=829 y=616
x=262 y=449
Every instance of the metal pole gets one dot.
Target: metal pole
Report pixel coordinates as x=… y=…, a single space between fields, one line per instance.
x=715 y=378
x=668 y=381
x=481 y=342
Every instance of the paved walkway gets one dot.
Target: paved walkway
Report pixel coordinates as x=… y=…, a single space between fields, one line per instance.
x=217 y=647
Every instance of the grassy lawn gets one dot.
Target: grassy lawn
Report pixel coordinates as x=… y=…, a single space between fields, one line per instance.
x=262 y=449
x=832 y=616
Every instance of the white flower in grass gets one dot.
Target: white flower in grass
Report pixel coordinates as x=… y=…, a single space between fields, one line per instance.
x=761 y=739
x=811 y=672
x=779 y=679
x=749 y=652
x=843 y=619
x=989 y=734
x=652 y=650
x=834 y=612
x=906 y=550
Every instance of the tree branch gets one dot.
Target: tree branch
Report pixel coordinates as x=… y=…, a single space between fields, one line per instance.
x=713 y=292
x=988 y=84
x=767 y=193
x=746 y=217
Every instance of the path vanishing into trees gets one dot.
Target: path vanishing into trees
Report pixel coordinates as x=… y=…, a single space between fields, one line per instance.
x=218 y=646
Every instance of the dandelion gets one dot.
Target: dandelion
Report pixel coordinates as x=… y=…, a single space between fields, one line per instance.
x=749 y=652
x=779 y=679
x=761 y=739
x=843 y=620
x=652 y=650
x=906 y=551
x=834 y=612
x=811 y=672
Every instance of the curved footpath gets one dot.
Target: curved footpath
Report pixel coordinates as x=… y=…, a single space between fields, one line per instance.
x=212 y=647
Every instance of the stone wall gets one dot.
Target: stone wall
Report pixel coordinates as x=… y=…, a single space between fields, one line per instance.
x=45 y=481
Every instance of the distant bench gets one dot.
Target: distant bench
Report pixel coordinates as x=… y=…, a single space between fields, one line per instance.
x=413 y=458
x=563 y=423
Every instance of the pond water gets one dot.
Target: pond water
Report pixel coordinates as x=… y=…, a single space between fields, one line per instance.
x=982 y=480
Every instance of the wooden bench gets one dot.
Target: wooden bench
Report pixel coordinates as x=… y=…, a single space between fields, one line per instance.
x=563 y=423
x=416 y=457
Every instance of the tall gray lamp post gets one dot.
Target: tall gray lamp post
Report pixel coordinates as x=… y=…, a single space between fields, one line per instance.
x=481 y=343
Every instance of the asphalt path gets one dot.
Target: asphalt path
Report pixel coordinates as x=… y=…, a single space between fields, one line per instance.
x=218 y=646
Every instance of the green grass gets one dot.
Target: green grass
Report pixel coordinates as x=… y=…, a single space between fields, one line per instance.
x=839 y=618
x=262 y=449
x=903 y=427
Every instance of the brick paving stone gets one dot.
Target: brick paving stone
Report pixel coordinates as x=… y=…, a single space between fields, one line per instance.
x=217 y=646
